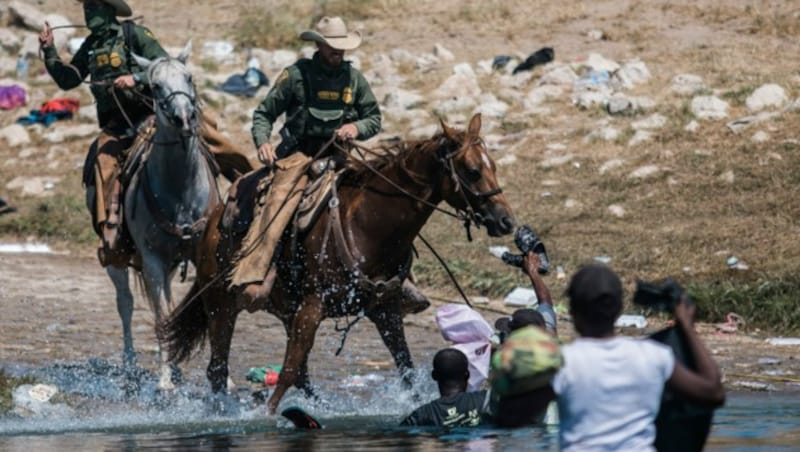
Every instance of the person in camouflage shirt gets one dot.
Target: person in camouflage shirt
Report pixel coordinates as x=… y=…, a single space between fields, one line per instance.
x=322 y=97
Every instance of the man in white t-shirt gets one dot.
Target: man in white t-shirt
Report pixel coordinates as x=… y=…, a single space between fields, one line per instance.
x=609 y=389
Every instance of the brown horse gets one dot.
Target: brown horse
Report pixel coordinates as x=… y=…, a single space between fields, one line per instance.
x=355 y=266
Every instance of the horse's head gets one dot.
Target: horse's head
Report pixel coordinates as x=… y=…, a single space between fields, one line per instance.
x=173 y=91
x=470 y=184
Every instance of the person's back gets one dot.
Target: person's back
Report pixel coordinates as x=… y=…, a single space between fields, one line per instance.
x=465 y=409
x=610 y=391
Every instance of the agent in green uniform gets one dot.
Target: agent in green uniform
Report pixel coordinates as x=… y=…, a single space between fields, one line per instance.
x=321 y=97
x=120 y=89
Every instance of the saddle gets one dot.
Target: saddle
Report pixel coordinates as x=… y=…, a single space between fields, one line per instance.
x=251 y=189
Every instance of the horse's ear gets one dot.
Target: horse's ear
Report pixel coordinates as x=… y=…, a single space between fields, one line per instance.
x=474 y=128
x=184 y=56
x=143 y=62
x=447 y=130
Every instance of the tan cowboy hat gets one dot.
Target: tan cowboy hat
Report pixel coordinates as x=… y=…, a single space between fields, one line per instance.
x=333 y=32
x=121 y=6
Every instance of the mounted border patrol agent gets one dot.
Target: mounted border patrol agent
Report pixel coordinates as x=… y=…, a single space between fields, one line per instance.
x=121 y=91
x=322 y=97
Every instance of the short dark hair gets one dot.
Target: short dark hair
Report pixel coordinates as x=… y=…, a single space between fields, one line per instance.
x=595 y=295
x=450 y=364
x=526 y=317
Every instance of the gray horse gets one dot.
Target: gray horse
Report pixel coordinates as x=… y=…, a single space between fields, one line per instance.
x=168 y=201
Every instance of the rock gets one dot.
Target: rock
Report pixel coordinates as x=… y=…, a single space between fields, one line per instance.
x=655 y=121
x=645 y=172
x=540 y=95
x=33 y=186
x=709 y=107
x=606 y=133
x=219 y=51
x=88 y=113
x=591 y=99
x=610 y=165
x=595 y=35
x=640 y=137
x=491 y=107
x=56 y=152
x=464 y=69
x=400 y=56
x=556 y=161
x=9 y=41
x=404 y=99
x=26 y=15
x=506 y=160
x=559 y=75
x=737 y=125
x=426 y=62
x=15 y=135
x=616 y=210
x=70 y=133
x=485 y=66
x=620 y=105
x=692 y=126
x=34 y=402
x=27 y=153
x=728 y=177
x=760 y=137
x=442 y=53
x=767 y=96
x=631 y=74
x=598 y=62
x=425 y=132
x=572 y=204
x=455 y=105
x=281 y=59
x=687 y=84
x=458 y=85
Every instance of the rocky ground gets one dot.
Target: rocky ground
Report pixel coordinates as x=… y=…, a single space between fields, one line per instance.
x=663 y=137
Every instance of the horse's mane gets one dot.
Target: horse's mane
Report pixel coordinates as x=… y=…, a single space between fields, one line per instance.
x=397 y=155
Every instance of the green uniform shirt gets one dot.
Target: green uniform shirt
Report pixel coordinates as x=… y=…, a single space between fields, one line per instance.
x=104 y=57
x=290 y=91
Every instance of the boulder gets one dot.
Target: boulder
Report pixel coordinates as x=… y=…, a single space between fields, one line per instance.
x=616 y=210
x=26 y=15
x=767 y=96
x=442 y=53
x=687 y=84
x=458 y=85
x=541 y=94
x=558 y=74
x=402 y=99
x=645 y=172
x=640 y=137
x=455 y=105
x=655 y=121
x=709 y=107
x=9 y=41
x=599 y=63
x=464 y=69
x=15 y=135
x=611 y=165
x=606 y=133
x=631 y=74
x=66 y=133
x=33 y=186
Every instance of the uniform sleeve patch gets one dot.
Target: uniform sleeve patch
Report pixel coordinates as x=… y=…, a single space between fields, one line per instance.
x=282 y=77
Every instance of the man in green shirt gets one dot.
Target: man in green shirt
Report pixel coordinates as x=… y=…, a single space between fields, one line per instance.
x=322 y=97
x=122 y=94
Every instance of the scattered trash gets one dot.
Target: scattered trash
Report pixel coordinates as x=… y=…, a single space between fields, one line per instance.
x=21 y=248
x=499 y=251
x=361 y=381
x=784 y=341
x=593 y=79
x=52 y=111
x=267 y=375
x=12 y=96
x=733 y=323
x=605 y=260
x=5 y=208
x=521 y=297
x=245 y=85
x=42 y=393
x=501 y=61
x=480 y=300
x=537 y=58
x=23 y=67
x=631 y=321
x=471 y=334
x=735 y=264
x=769 y=361
x=560 y=274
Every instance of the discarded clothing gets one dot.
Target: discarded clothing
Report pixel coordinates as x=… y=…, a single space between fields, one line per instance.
x=500 y=61
x=471 y=335
x=246 y=84
x=52 y=111
x=12 y=96
x=537 y=58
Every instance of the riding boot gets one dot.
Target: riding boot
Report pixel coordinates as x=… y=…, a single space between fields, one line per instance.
x=255 y=295
x=111 y=225
x=412 y=300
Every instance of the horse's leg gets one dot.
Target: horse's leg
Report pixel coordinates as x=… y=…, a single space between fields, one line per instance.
x=390 y=326
x=303 y=383
x=222 y=320
x=119 y=276
x=300 y=341
x=155 y=277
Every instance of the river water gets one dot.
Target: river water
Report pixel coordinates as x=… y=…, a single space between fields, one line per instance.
x=361 y=417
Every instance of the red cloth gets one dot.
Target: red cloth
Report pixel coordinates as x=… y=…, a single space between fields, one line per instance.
x=61 y=105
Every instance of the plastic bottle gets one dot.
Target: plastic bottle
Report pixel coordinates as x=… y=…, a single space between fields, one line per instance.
x=23 y=67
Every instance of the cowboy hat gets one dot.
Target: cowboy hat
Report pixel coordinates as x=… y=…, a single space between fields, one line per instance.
x=121 y=7
x=333 y=32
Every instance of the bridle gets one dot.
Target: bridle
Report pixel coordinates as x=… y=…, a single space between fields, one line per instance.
x=163 y=104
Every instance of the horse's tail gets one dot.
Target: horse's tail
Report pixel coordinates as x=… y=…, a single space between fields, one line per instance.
x=186 y=327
